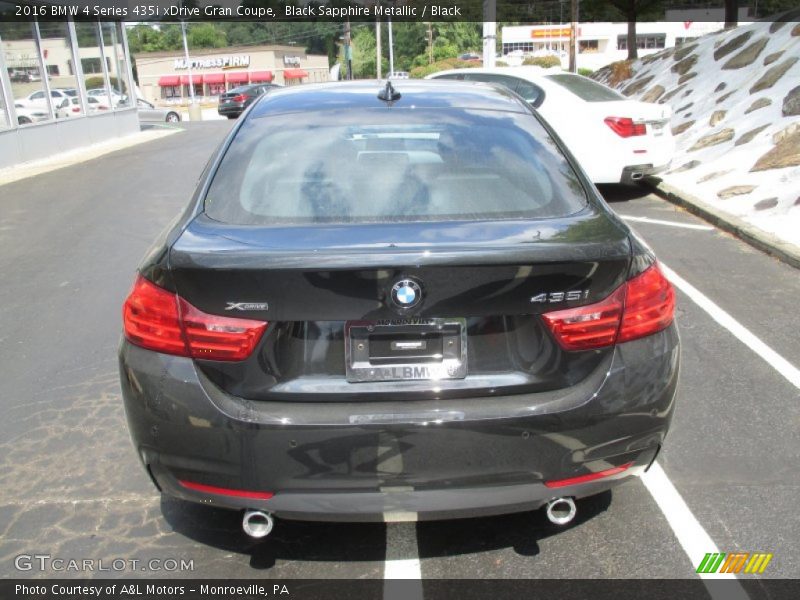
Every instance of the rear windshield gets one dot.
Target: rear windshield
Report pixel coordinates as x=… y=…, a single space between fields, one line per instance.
x=380 y=165
x=586 y=89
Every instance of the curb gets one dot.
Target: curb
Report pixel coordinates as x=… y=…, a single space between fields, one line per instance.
x=759 y=239
x=81 y=154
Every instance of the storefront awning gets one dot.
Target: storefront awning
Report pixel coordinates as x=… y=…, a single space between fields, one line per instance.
x=294 y=74
x=169 y=80
x=258 y=76
x=240 y=77
x=196 y=79
x=214 y=78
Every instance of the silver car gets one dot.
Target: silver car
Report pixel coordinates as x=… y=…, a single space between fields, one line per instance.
x=149 y=112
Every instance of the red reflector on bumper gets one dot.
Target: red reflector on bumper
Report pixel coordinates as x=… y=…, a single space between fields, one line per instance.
x=210 y=489
x=587 y=478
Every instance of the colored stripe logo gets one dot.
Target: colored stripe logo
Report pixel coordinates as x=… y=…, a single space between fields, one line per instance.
x=735 y=562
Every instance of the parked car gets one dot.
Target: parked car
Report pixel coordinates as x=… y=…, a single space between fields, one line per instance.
x=72 y=107
x=614 y=138
x=396 y=302
x=149 y=112
x=470 y=57
x=233 y=102
x=114 y=98
x=38 y=99
x=27 y=115
x=21 y=76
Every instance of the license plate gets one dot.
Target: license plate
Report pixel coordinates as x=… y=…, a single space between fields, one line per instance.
x=406 y=350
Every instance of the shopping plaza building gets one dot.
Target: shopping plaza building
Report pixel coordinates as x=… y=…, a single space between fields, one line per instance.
x=166 y=76
x=63 y=85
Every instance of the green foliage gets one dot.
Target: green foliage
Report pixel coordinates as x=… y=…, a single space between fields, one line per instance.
x=97 y=81
x=364 y=53
x=442 y=65
x=585 y=72
x=542 y=61
x=205 y=35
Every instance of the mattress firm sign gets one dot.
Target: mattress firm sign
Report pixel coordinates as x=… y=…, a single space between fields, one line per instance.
x=219 y=62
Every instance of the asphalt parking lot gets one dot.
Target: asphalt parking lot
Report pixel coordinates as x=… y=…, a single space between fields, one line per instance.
x=71 y=485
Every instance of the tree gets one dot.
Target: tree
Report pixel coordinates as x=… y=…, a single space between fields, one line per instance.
x=206 y=35
x=731 y=13
x=364 y=53
x=630 y=10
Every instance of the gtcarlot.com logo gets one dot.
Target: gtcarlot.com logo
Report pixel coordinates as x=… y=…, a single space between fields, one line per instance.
x=735 y=562
x=46 y=562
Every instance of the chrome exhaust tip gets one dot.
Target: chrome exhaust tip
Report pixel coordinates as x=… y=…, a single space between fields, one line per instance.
x=636 y=176
x=561 y=511
x=257 y=523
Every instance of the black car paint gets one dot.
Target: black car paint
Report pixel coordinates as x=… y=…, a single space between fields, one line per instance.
x=231 y=109
x=325 y=451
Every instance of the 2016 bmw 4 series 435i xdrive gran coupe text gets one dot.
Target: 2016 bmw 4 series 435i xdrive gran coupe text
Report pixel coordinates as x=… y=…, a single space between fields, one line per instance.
x=396 y=303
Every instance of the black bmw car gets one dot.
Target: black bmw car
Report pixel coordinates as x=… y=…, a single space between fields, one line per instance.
x=390 y=303
x=234 y=102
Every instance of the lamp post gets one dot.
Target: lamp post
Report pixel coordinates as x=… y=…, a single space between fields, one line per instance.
x=195 y=114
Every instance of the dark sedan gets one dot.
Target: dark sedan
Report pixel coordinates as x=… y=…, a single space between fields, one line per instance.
x=394 y=303
x=234 y=102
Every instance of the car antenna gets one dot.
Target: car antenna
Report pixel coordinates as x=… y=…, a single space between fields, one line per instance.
x=388 y=93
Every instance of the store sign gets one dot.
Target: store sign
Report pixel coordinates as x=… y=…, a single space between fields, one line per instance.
x=293 y=61
x=220 y=62
x=550 y=32
x=21 y=59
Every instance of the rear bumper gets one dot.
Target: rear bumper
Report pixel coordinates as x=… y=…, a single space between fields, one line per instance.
x=376 y=461
x=230 y=109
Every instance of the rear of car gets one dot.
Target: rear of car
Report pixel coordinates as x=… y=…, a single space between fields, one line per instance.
x=615 y=139
x=402 y=307
x=635 y=139
x=234 y=102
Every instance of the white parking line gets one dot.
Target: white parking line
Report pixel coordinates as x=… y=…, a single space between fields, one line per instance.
x=744 y=335
x=668 y=223
x=401 y=540
x=694 y=540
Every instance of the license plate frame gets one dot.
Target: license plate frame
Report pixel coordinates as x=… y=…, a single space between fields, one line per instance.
x=362 y=366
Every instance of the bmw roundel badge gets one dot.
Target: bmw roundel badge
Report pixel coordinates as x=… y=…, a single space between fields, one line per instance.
x=406 y=293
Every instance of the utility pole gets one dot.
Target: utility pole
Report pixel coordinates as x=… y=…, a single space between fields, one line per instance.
x=378 y=47
x=489 y=32
x=573 y=37
x=391 y=49
x=430 y=43
x=348 y=52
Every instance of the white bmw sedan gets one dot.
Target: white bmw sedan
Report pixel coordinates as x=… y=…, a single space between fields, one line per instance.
x=615 y=139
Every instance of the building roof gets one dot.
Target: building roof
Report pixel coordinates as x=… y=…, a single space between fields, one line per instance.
x=226 y=50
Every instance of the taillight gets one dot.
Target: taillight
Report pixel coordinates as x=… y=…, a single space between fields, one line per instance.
x=240 y=98
x=649 y=305
x=586 y=327
x=159 y=320
x=625 y=127
x=641 y=306
x=151 y=320
x=76 y=109
x=218 y=338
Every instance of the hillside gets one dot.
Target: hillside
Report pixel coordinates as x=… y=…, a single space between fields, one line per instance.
x=735 y=97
